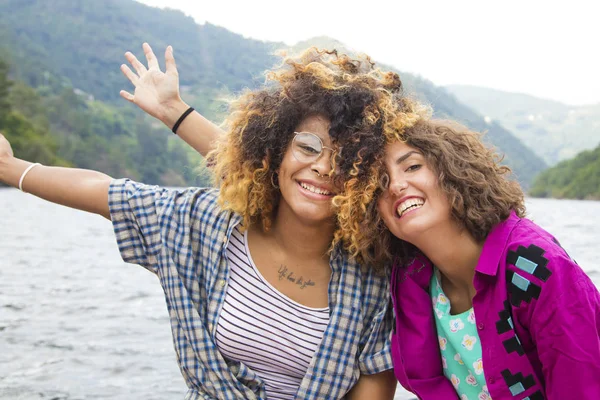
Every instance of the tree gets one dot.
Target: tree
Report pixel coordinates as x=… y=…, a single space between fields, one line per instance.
x=5 y=85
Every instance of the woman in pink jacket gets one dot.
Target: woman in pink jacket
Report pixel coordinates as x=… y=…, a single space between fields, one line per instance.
x=488 y=305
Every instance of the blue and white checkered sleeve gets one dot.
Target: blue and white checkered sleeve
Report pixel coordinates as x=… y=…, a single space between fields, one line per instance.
x=134 y=214
x=375 y=355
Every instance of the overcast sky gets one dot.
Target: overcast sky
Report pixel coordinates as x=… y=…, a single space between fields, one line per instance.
x=548 y=49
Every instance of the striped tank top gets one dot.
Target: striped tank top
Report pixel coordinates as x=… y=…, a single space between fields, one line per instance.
x=264 y=329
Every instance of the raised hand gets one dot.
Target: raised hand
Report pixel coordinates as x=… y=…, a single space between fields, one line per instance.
x=156 y=92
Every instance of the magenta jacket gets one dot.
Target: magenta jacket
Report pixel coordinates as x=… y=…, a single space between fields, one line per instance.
x=537 y=313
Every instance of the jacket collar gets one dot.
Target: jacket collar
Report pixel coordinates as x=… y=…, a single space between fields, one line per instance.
x=493 y=248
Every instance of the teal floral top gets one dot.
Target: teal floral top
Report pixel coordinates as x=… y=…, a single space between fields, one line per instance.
x=459 y=345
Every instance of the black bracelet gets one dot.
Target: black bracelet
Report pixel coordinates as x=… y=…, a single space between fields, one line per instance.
x=180 y=120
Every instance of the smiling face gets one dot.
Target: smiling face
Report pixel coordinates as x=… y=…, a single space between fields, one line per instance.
x=306 y=186
x=413 y=201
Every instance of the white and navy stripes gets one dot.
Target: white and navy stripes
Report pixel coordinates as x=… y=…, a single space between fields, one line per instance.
x=264 y=329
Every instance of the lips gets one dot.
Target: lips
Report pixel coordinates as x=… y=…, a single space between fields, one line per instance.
x=407 y=204
x=315 y=189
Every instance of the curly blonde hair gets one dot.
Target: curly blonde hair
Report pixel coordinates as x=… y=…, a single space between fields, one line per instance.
x=478 y=187
x=365 y=108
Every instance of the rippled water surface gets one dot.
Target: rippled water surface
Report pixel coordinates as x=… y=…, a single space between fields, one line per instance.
x=78 y=323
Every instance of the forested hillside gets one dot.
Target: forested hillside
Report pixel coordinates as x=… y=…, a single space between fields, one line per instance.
x=82 y=42
x=29 y=137
x=578 y=178
x=66 y=128
x=69 y=51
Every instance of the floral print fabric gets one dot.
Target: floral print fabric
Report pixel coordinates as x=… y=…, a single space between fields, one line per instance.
x=459 y=345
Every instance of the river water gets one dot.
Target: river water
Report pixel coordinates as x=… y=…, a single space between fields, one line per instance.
x=78 y=323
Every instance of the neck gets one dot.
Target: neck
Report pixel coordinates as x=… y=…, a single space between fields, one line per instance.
x=454 y=252
x=301 y=239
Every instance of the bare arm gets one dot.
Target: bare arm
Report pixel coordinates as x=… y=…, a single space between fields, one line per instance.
x=76 y=188
x=157 y=94
x=381 y=386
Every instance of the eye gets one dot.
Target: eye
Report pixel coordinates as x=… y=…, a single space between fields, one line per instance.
x=308 y=149
x=413 y=168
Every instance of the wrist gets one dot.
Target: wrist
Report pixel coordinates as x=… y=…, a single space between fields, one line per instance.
x=9 y=169
x=5 y=159
x=173 y=112
x=5 y=155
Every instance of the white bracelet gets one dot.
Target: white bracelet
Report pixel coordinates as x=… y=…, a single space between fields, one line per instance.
x=25 y=174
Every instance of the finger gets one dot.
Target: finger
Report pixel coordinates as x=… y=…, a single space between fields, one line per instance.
x=152 y=60
x=170 y=66
x=135 y=63
x=126 y=95
x=133 y=78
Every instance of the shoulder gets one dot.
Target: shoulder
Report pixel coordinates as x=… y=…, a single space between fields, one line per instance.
x=152 y=196
x=537 y=267
x=535 y=251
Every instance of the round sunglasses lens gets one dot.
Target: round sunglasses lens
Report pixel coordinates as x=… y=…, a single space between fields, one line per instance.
x=306 y=147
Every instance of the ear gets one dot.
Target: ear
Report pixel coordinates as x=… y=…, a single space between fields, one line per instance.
x=267 y=160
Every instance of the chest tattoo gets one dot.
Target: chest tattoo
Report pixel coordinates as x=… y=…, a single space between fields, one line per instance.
x=285 y=274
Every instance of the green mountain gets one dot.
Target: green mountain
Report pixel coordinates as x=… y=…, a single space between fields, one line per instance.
x=82 y=42
x=578 y=178
x=553 y=130
x=68 y=129
x=29 y=137
x=76 y=46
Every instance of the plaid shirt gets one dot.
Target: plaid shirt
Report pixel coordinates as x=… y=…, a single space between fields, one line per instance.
x=181 y=236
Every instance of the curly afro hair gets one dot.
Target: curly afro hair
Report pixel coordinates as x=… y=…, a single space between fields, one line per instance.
x=478 y=188
x=365 y=108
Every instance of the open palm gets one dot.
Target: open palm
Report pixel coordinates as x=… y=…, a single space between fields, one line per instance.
x=155 y=91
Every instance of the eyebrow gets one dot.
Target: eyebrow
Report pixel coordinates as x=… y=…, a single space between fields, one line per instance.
x=330 y=146
x=405 y=156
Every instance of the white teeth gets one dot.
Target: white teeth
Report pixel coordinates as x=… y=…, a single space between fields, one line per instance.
x=314 y=189
x=409 y=205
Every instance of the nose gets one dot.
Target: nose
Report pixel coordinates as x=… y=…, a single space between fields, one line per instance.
x=398 y=186
x=323 y=165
